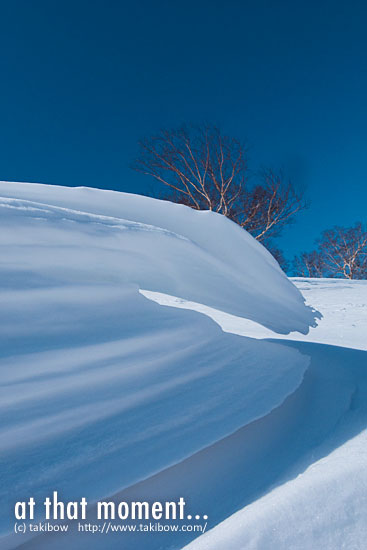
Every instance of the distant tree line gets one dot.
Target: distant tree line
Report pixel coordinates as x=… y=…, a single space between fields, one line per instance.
x=341 y=252
x=203 y=168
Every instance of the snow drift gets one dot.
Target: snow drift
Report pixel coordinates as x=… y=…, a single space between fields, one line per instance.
x=313 y=475
x=199 y=256
x=102 y=388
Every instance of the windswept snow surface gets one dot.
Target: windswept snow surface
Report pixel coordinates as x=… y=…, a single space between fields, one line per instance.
x=317 y=499
x=198 y=256
x=102 y=388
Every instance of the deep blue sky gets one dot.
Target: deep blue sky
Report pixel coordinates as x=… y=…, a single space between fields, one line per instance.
x=82 y=81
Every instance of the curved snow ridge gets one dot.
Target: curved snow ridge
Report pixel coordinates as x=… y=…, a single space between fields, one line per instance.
x=304 y=449
x=240 y=451
x=94 y=373
x=48 y=212
x=319 y=498
x=157 y=386
x=214 y=262
x=343 y=304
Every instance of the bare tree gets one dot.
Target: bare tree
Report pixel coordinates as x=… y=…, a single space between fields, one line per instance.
x=342 y=252
x=207 y=170
x=309 y=264
x=266 y=208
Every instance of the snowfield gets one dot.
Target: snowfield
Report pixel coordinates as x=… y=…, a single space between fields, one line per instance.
x=105 y=392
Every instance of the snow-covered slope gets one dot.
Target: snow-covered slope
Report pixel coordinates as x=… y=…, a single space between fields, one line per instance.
x=100 y=387
x=317 y=498
x=104 y=392
x=300 y=471
x=160 y=246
